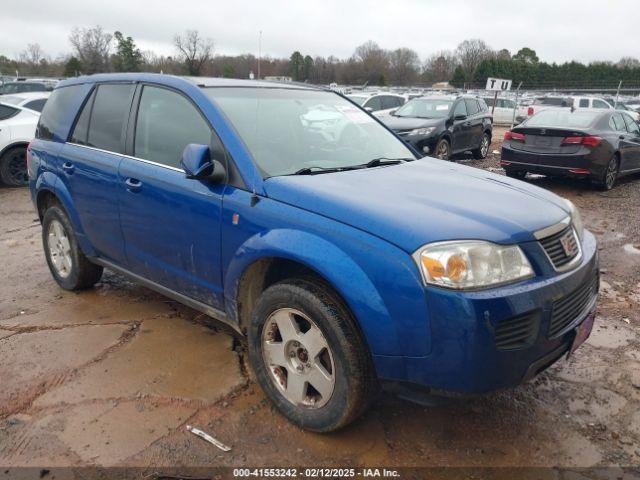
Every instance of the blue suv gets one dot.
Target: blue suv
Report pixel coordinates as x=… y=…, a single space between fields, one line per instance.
x=300 y=220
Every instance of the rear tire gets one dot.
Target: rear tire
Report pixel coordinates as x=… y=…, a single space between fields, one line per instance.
x=300 y=329
x=13 y=167
x=518 y=174
x=609 y=176
x=69 y=267
x=481 y=152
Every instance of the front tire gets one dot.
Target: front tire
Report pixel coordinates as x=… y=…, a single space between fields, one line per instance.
x=443 y=149
x=481 y=152
x=309 y=357
x=68 y=265
x=13 y=167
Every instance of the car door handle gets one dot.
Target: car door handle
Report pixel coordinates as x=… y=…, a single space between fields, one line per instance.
x=133 y=184
x=68 y=167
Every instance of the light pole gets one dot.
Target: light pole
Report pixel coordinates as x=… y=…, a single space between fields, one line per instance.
x=259 y=51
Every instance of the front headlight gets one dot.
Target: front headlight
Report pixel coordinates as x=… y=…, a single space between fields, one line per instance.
x=422 y=131
x=576 y=218
x=469 y=264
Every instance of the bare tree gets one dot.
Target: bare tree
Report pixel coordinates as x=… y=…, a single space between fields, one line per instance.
x=374 y=62
x=404 y=65
x=630 y=62
x=92 y=47
x=33 y=59
x=440 y=66
x=471 y=53
x=194 y=50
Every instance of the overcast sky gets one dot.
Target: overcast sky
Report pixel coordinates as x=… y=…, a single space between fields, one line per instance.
x=559 y=30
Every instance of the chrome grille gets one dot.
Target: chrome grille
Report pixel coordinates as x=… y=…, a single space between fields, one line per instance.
x=562 y=247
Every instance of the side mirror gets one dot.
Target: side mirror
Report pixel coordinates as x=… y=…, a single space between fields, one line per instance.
x=460 y=117
x=368 y=109
x=197 y=164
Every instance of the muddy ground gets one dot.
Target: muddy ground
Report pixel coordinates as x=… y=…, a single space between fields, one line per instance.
x=112 y=376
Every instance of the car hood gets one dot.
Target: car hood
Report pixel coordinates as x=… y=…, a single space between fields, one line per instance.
x=409 y=123
x=424 y=201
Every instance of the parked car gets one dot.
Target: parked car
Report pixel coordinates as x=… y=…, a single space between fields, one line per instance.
x=622 y=106
x=599 y=145
x=32 y=100
x=503 y=111
x=23 y=86
x=591 y=102
x=18 y=119
x=444 y=125
x=549 y=102
x=378 y=103
x=347 y=262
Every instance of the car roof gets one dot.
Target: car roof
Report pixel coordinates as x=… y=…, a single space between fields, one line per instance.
x=198 y=81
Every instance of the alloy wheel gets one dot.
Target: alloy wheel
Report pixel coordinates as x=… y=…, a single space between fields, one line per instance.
x=443 y=151
x=298 y=358
x=612 y=173
x=484 y=147
x=59 y=249
x=17 y=168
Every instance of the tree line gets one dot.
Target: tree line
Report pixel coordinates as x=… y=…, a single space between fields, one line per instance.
x=94 y=50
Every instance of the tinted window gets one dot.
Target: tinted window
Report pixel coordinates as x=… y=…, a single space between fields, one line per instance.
x=472 y=106
x=167 y=122
x=618 y=123
x=81 y=129
x=632 y=125
x=555 y=101
x=460 y=109
x=584 y=103
x=7 y=112
x=108 y=116
x=56 y=111
x=374 y=104
x=36 y=105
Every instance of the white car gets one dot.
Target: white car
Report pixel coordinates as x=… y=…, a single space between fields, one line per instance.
x=32 y=100
x=17 y=129
x=602 y=104
x=503 y=111
x=378 y=103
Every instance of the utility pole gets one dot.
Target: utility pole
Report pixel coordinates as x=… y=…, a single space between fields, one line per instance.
x=617 y=94
x=259 y=51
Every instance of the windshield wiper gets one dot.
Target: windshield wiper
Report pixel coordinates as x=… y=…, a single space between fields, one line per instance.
x=377 y=162
x=316 y=170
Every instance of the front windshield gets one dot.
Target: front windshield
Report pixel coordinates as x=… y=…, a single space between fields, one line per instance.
x=287 y=130
x=357 y=99
x=425 y=108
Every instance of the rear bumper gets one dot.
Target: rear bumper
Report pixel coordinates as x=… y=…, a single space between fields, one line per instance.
x=465 y=356
x=579 y=164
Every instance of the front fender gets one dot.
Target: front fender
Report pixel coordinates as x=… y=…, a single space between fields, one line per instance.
x=329 y=261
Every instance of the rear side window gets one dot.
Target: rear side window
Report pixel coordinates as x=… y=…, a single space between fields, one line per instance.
x=166 y=123
x=108 y=116
x=36 y=105
x=472 y=106
x=584 y=103
x=374 y=104
x=55 y=111
x=632 y=125
x=7 y=112
x=81 y=129
x=600 y=104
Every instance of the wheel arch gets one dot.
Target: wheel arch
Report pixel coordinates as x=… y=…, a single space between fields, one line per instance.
x=19 y=143
x=268 y=258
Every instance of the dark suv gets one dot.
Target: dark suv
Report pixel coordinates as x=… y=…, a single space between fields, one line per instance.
x=444 y=125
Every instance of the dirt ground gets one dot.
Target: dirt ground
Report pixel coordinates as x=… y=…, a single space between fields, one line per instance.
x=112 y=376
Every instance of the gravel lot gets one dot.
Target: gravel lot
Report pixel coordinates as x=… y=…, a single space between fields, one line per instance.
x=112 y=376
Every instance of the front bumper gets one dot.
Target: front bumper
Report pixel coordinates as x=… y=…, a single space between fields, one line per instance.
x=465 y=355
x=419 y=142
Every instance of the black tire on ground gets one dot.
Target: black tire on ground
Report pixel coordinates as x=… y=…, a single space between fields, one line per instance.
x=610 y=175
x=482 y=151
x=13 y=167
x=519 y=174
x=354 y=380
x=443 y=149
x=81 y=273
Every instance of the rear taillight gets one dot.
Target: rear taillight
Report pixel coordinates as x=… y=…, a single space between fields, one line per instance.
x=530 y=111
x=589 y=141
x=514 y=136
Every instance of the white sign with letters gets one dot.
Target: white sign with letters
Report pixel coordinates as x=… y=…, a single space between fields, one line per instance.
x=498 y=84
